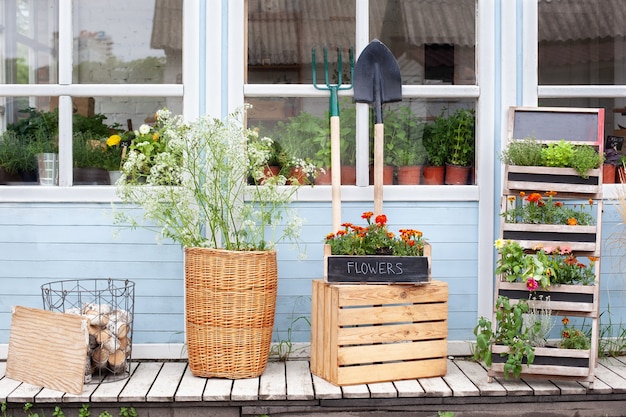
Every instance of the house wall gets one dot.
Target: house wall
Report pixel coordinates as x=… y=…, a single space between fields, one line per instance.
x=45 y=242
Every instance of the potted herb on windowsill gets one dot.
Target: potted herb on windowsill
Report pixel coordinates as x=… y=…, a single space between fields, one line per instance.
x=436 y=150
x=229 y=229
x=461 y=146
x=609 y=166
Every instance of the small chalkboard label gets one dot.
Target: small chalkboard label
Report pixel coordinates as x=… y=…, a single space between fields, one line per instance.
x=377 y=269
x=615 y=142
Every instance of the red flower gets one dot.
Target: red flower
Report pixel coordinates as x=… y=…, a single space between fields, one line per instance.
x=534 y=198
x=367 y=215
x=531 y=284
x=565 y=321
x=381 y=220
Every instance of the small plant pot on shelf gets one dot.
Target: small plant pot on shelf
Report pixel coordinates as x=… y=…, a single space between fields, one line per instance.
x=456 y=174
x=609 y=173
x=433 y=175
x=409 y=174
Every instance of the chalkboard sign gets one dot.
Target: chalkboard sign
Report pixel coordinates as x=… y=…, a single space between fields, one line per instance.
x=377 y=269
x=615 y=142
x=546 y=124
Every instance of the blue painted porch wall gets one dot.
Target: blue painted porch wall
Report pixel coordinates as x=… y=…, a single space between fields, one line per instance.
x=44 y=242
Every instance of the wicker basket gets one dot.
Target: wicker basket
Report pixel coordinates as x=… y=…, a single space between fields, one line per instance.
x=230 y=305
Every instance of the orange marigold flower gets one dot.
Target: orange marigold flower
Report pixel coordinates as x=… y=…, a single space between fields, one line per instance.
x=566 y=334
x=551 y=193
x=570 y=260
x=522 y=194
x=330 y=236
x=558 y=204
x=534 y=198
x=590 y=202
x=411 y=243
x=367 y=215
x=381 y=220
x=565 y=321
x=572 y=221
x=341 y=232
x=511 y=198
x=593 y=258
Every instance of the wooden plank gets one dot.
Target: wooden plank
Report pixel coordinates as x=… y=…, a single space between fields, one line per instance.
x=460 y=384
x=393 y=371
x=190 y=387
x=24 y=393
x=435 y=387
x=60 y=366
x=84 y=397
x=409 y=388
x=140 y=382
x=355 y=391
x=245 y=389
x=324 y=390
x=515 y=387
x=217 y=389
x=542 y=387
x=611 y=376
x=382 y=390
x=299 y=383
x=364 y=295
x=392 y=352
x=110 y=391
x=50 y=395
x=393 y=314
x=570 y=387
x=273 y=384
x=7 y=386
x=164 y=386
x=394 y=333
x=479 y=377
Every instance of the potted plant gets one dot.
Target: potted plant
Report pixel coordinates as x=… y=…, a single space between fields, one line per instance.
x=436 y=150
x=609 y=166
x=228 y=230
x=407 y=152
x=353 y=253
x=15 y=157
x=461 y=145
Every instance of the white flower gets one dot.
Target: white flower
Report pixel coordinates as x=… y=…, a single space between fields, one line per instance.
x=144 y=129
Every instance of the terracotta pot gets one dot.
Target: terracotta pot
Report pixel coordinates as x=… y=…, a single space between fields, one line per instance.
x=608 y=173
x=409 y=175
x=387 y=174
x=433 y=175
x=456 y=175
x=324 y=178
x=298 y=177
x=348 y=175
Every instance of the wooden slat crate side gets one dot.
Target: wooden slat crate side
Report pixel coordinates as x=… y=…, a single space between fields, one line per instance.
x=317 y=309
x=392 y=314
x=550 y=228
x=550 y=352
x=393 y=333
x=562 y=180
x=364 y=295
x=390 y=352
x=427 y=368
x=547 y=370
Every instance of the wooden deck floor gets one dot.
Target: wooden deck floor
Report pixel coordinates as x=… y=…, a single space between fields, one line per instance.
x=167 y=388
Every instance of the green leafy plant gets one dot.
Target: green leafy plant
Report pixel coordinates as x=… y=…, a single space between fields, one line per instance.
x=544 y=267
x=403 y=138
x=586 y=158
x=212 y=204
x=510 y=331
x=375 y=239
x=524 y=152
x=461 y=137
x=535 y=208
x=565 y=154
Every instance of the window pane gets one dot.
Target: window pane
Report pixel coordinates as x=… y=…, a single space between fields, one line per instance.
x=121 y=41
x=413 y=132
x=582 y=42
x=282 y=33
x=432 y=40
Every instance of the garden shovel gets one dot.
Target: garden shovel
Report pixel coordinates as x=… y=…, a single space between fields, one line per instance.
x=377 y=80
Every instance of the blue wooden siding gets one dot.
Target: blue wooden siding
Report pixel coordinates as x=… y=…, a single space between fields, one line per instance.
x=43 y=242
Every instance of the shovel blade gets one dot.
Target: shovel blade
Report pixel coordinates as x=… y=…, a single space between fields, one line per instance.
x=377 y=76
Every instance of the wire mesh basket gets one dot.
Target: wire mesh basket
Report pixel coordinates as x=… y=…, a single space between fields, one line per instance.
x=108 y=307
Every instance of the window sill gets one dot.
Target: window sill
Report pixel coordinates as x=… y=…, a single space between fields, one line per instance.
x=319 y=193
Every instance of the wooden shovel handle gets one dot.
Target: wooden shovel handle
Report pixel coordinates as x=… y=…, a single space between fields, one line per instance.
x=335 y=170
x=378 y=168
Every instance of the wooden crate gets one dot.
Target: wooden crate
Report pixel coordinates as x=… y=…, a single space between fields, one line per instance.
x=371 y=333
x=542 y=179
x=377 y=269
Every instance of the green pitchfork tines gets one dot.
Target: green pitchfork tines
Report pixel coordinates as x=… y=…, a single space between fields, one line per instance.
x=333 y=88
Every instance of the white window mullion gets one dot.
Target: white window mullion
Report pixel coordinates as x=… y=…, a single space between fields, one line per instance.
x=66 y=45
x=362 y=116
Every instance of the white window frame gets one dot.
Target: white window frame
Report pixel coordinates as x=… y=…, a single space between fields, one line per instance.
x=65 y=90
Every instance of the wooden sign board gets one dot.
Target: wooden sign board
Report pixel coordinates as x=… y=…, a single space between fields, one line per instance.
x=48 y=349
x=549 y=124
